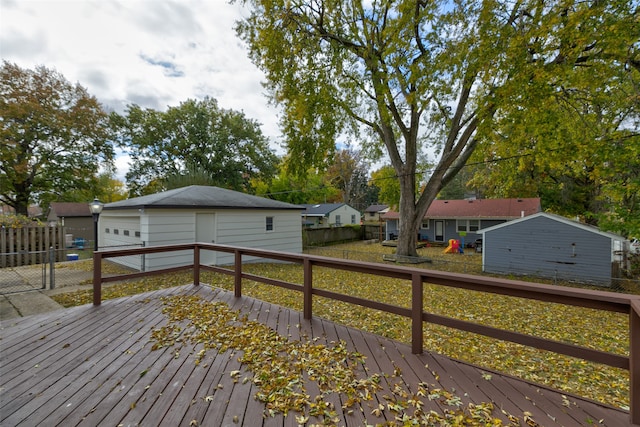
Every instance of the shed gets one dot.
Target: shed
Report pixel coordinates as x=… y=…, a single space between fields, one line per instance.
x=198 y=214
x=552 y=246
x=74 y=217
x=375 y=212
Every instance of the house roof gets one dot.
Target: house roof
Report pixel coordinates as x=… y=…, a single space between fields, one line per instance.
x=478 y=209
x=321 y=209
x=69 y=209
x=558 y=218
x=376 y=208
x=200 y=196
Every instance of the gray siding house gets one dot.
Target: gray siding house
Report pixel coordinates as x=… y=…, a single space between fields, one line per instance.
x=547 y=245
x=198 y=214
x=462 y=219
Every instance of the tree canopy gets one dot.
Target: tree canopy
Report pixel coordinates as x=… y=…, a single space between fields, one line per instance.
x=221 y=147
x=55 y=137
x=579 y=149
x=414 y=75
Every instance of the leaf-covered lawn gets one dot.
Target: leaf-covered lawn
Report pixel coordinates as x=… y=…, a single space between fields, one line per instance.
x=590 y=328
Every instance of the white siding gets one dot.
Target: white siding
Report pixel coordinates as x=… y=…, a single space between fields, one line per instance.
x=168 y=227
x=119 y=230
x=248 y=229
x=235 y=227
x=345 y=212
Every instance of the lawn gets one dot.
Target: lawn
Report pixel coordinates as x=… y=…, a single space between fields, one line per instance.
x=591 y=328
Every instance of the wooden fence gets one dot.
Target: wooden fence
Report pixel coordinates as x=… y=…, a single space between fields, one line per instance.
x=30 y=245
x=607 y=301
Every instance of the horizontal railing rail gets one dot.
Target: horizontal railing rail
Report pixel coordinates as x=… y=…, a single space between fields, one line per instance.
x=594 y=299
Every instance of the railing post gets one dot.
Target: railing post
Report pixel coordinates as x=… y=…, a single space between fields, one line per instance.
x=97 y=278
x=237 y=283
x=634 y=361
x=416 y=313
x=196 y=264
x=307 y=287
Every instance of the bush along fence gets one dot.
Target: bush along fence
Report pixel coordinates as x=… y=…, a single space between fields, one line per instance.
x=30 y=245
x=607 y=301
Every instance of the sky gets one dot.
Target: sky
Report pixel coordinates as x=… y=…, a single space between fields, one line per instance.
x=153 y=53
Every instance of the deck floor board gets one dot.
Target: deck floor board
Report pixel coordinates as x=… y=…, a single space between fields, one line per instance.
x=92 y=366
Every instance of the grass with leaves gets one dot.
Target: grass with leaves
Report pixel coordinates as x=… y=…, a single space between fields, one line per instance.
x=587 y=327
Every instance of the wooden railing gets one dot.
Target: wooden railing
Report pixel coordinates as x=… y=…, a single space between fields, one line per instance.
x=607 y=301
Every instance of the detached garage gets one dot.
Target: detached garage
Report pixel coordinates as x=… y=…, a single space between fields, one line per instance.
x=198 y=214
x=547 y=245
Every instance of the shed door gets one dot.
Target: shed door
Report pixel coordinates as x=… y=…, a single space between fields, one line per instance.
x=206 y=233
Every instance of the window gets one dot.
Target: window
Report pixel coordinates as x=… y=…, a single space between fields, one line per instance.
x=338 y=223
x=470 y=225
x=137 y=234
x=353 y=219
x=269 y=223
x=116 y=231
x=425 y=224
x=106 y=230
x=126 y=232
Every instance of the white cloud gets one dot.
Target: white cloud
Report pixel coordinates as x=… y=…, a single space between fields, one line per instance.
x=154 y=53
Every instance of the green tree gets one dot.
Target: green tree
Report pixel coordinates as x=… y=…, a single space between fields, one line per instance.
x=103 y=186
x=55 y=136
x=414 y=73
x=291 y=188
x=386 y=180
x=223 y=145
x=579 y=150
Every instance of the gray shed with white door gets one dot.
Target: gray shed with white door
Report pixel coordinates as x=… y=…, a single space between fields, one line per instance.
x=547 y=245
x=198 y=214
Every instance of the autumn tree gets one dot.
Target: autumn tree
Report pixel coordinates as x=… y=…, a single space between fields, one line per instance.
x=348 y=171
x=54 y=136
x=224 y=145
x=413 y=74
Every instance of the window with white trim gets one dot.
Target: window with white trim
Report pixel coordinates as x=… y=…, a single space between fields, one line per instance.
x=468 y=225
x=269 y=223
x=338 y=223
x=353 y=219
x=425 y=224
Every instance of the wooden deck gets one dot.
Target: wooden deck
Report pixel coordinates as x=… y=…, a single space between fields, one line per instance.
x=94 y=366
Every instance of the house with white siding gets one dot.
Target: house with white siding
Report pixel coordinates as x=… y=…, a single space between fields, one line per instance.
x=324 y=215
x=198 y=214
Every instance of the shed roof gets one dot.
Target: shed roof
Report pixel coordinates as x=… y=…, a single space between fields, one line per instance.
x=321 y=209
x=558 y=218
x=69 y=209
x=200 y=196
x=479 y=208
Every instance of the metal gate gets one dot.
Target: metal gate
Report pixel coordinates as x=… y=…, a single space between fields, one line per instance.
x=27 y=277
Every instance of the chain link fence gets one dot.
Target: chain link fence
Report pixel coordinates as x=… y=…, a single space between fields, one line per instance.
x=48 y=273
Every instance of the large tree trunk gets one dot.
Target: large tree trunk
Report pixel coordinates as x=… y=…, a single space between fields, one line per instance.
x=407 y=238
x=21 y=200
